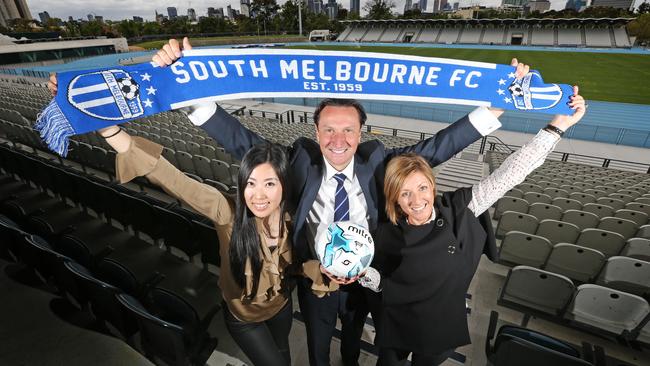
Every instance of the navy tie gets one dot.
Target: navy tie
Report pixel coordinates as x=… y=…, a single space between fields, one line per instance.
x=341 y=204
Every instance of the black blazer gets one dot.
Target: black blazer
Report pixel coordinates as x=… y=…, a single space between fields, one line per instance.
x=307 y=165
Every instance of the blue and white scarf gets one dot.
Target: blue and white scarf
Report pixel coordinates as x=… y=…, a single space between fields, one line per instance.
x=89 y=100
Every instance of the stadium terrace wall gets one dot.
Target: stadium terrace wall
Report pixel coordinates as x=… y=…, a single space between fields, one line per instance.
x=614 y=123
x=561 y=32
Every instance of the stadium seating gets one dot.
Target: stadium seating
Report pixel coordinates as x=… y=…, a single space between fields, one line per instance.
x=558 y=231
x=523 y=248
x=529 y=288
x=626 y=274
x=598 y=37
x=544 y=211
x=391 y=34
x=608 y=310
x=514 y=346
x=607 y=242
x=511 y=220
x=578 y=263
x=543 y=37
x=637 y=248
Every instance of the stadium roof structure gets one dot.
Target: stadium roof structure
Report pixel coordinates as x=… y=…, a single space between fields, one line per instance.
x=544 y=21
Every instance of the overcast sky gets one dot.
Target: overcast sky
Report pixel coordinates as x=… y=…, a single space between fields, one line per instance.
x=126 y=9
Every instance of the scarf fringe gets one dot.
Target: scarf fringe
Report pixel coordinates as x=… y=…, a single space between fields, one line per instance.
x=54 y=127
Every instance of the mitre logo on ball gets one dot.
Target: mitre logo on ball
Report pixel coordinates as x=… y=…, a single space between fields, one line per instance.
x=528 y=97
x=109 y=95
x=345 y=249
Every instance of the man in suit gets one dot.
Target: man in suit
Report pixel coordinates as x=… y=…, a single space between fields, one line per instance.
x=316 y=177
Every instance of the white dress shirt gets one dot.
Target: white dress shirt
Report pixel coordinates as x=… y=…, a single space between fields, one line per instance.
x=321 y=214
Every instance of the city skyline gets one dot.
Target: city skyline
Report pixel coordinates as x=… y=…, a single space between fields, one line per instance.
x=126 y=9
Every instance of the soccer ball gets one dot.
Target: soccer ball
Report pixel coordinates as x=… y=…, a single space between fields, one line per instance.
x=129 y=88
x=345 y=249
x=516 y=90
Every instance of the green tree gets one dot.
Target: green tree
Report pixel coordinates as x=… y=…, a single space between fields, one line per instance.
x=412 y=14
x=289 y=16
x=640 y=27
x=129 y=28
x=644 y=8
x=604 y=12
x=263 y=11
x=379 y=9
x=93 y=28
x=150 y=28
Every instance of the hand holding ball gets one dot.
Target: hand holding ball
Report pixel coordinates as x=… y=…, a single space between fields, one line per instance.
x=345 y=249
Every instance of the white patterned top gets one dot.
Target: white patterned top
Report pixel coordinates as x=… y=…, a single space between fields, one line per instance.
x=512 y=171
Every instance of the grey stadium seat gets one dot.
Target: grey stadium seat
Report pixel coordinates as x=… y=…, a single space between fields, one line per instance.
x=514 y=192
x=630 y=275
x=643 y=232
x=530 y=287
x=558 y=231
x=610 y=310
x=625 y=227
x=583 y=220
x=607 y=242
x=555 y=192
x=620 y=196
x=535 y=197
x=529 y=187
x=638 y=248
x=545 y=211
x=511 y=220
x=507 y=203
x=641 y=218
x=185 y=162
x=612 y=202
x=637 y=205
x=576 y=262
x=567 y=203
x=582 y=197
x=527 y=249
x=598 y=209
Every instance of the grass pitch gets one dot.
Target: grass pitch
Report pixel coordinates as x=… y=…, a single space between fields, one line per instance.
x=623 y=78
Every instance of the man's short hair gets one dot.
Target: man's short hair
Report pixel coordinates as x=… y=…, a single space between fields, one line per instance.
x=340 y=103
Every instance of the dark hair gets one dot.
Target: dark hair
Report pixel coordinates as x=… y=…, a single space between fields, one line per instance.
x=245 y=240
x=340 y=103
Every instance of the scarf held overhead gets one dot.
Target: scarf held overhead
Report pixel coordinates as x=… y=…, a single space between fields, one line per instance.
x=91 y=99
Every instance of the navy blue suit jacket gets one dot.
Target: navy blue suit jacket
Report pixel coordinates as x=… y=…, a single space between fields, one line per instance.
x=369 y=165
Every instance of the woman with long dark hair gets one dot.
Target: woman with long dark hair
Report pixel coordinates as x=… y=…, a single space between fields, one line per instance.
x=254 y=246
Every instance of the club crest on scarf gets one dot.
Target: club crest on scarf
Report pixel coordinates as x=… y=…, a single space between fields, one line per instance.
x=109 y=95
x=527 y=97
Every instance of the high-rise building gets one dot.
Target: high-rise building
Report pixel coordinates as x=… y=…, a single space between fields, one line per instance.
x=617 y=4
x=99 y=18
x=245 y=8
x=44 y=16
x=13 y=9
x=318 y=6
x=443 y=5
x=513 y=3
x=423 y=5
x=332 y=9
x=230 y=12
x=91 y=17
x=355 y=6
x=172 y=12
x=191 y=14
x=456 y=6
x=408 y=5
x=576 y=4
x=537 y=5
